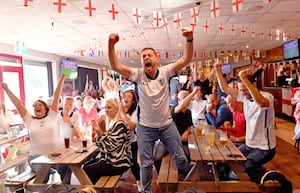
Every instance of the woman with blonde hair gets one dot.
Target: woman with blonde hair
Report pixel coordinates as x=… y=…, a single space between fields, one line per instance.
x=114 y=143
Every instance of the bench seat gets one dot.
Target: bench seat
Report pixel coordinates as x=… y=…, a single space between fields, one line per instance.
x=106 y=184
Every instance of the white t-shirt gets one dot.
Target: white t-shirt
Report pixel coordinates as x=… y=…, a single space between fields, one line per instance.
x=133 y=118
x=44 y=133
x=198 y=109
x=257 y=136
x=154 y=98
x=65 y=128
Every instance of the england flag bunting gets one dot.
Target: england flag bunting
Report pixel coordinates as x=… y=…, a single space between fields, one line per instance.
x=142 y=33
x=214 y=9
x=252 y=32
x=237 y=5
x=262 y=34
x=137 y=15
x=232 y=30
x=284 y=36
x=243 y=31
x=157 y=18
x=267 y=1
x=165 y=24
x=177 y=20
x=153 y=28
x=206 y=27
x=194 y=15
x=221 y=29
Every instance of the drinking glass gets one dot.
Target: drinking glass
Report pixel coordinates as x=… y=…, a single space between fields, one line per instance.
x=223 y=139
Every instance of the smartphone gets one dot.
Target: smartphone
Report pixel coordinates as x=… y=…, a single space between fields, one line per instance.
x=55 y=154
x=81 y=151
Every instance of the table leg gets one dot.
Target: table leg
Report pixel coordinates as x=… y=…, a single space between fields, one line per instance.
x=81 y=175
x=42 y=174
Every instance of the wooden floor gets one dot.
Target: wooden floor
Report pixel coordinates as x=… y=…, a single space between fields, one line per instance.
x=286 y=160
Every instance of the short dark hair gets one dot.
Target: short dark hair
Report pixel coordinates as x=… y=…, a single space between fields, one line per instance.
x=148 y=48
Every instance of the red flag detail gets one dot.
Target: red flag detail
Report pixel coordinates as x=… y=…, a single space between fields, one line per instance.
x=113 y=11
x=26 y=2
x=90 y=8
x=59 y=4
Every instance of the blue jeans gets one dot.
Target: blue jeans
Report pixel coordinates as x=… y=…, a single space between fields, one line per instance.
x=256 y=157
x=170 y=137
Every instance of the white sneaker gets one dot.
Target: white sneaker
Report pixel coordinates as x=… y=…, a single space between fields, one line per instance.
x=139 y=185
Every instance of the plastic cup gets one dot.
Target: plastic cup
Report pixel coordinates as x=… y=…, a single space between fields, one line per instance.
x=67 y=142
x=211 y=136
x=84 y=143
x=199 y=132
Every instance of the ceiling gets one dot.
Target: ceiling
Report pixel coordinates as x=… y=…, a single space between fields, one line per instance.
x=40 y=26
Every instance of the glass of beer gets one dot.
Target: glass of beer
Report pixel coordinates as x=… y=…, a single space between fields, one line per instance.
x=223 y=139
x=211 y=136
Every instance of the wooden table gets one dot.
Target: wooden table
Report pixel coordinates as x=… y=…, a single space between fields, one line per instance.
x=67 y=157
x=205 y=175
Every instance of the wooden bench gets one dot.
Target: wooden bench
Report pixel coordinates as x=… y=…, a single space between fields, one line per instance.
x=106 y=184
x=19 y=181
x=168 y=175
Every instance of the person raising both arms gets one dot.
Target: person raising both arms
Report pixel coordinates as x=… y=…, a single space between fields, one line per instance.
x=260 y=142
x=155 y=120
x=42 y=124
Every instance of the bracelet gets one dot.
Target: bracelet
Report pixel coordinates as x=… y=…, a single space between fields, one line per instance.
x=189 y=40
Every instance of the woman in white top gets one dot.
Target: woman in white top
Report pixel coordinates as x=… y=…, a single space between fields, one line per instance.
x=111 y=88
x=42 y=124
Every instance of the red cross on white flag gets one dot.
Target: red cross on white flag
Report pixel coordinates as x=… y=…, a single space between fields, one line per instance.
x=237 y=5
x=154 y=28
x=232 y=30
x=26 y=2
x=90 y=8
x=177 y=20
x=252 y=32
x=113 y=11
x=262 y=34
x=157 y=18
x=137 y=15
x=142 y=33
x=277 y=36
x=214 y=9
x=193 y=26
x=59 y=4
x=206 y=27
x=270 y=36
x=267 y=1
x=255 y=65
x=221 y=29
x=165 y=24
x=289 y=37
x=131 y=34
x=284 y=37
x=194 y=15
x=243 y=31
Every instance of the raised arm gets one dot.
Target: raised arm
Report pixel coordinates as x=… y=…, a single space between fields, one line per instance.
x=253 y=90
x=188 y=52
x=55 y=102
x=15 y=100
x=222 y=82
x=186 y=101
x=113 y=59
